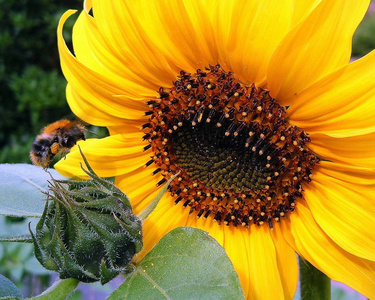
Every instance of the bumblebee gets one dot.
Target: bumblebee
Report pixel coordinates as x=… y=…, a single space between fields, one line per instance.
x=58 y=137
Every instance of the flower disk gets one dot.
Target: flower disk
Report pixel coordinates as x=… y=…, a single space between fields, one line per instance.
x=239 y=159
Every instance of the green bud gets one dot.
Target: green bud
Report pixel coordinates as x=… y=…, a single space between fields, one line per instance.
x=88 y=230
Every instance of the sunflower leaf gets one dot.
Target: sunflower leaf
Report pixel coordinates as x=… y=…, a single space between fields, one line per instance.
x=186 y=264
x=21 y=189
x=8 y=290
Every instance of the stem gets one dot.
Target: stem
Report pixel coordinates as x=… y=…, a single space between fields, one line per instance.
x=315 y=285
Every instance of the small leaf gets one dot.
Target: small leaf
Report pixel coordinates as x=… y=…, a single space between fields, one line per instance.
x=186 y=264
x=21 y=187
x=8 y=290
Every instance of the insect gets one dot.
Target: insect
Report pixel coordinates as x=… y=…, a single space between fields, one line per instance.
x=58 y=137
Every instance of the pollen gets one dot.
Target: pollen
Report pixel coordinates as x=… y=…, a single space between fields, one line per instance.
x=239 y=160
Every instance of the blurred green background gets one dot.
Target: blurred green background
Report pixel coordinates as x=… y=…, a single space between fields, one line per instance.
x=32 y=87
x=32 y=95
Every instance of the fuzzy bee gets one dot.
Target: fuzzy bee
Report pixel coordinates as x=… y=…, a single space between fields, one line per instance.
x=58 y=137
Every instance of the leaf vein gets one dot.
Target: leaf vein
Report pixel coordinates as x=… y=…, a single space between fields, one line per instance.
x=32 y=183
x=220 y=270
x=143 y=272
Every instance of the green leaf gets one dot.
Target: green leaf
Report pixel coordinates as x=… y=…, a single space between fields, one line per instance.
x=8 y=290
x=186 y=264
x=60 y=290
x=21 y=189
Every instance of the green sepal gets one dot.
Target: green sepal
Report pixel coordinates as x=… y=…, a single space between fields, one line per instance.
x=119 y=246
x=69 y=268
x=135 y=232
x=46 y=262
x=45 y=259
x=109 y=204
x=107 y=273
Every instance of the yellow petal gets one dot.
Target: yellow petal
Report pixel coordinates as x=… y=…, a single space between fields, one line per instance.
x=181 y=30
x=346 y=173
x=357 y=150
x=345 y=211
x=87 y=110
x=314 y=48
x=127 y=126
x=135 y=32
x=235 y=244
x=247 y=32
x=110 y=156
x=265 y=280
x=341 y=104
x=315 y=246
x=286 y=261
x=140 y=186
x=163 y=37
x=101 y=92
x=301 y=9
x=99 y=53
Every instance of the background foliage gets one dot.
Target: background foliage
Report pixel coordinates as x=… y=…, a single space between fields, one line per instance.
x=32 y=87
x=364 y=38
x=32 y=94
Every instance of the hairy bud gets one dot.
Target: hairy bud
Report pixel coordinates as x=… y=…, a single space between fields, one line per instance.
x=88 y=230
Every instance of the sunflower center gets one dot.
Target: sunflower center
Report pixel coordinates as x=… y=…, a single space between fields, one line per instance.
x=217 y=159
x=239 y=159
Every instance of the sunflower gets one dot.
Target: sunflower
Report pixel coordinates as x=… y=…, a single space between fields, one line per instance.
x=256 y=105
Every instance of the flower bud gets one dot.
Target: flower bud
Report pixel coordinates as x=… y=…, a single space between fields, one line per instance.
x=88 y=230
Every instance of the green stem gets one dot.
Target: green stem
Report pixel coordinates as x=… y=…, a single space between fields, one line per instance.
x=315 y=285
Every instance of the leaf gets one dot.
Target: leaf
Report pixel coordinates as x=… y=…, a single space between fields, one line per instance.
x=21 y=187
x=8 y=290
x=186 y=264
x=60 y=290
